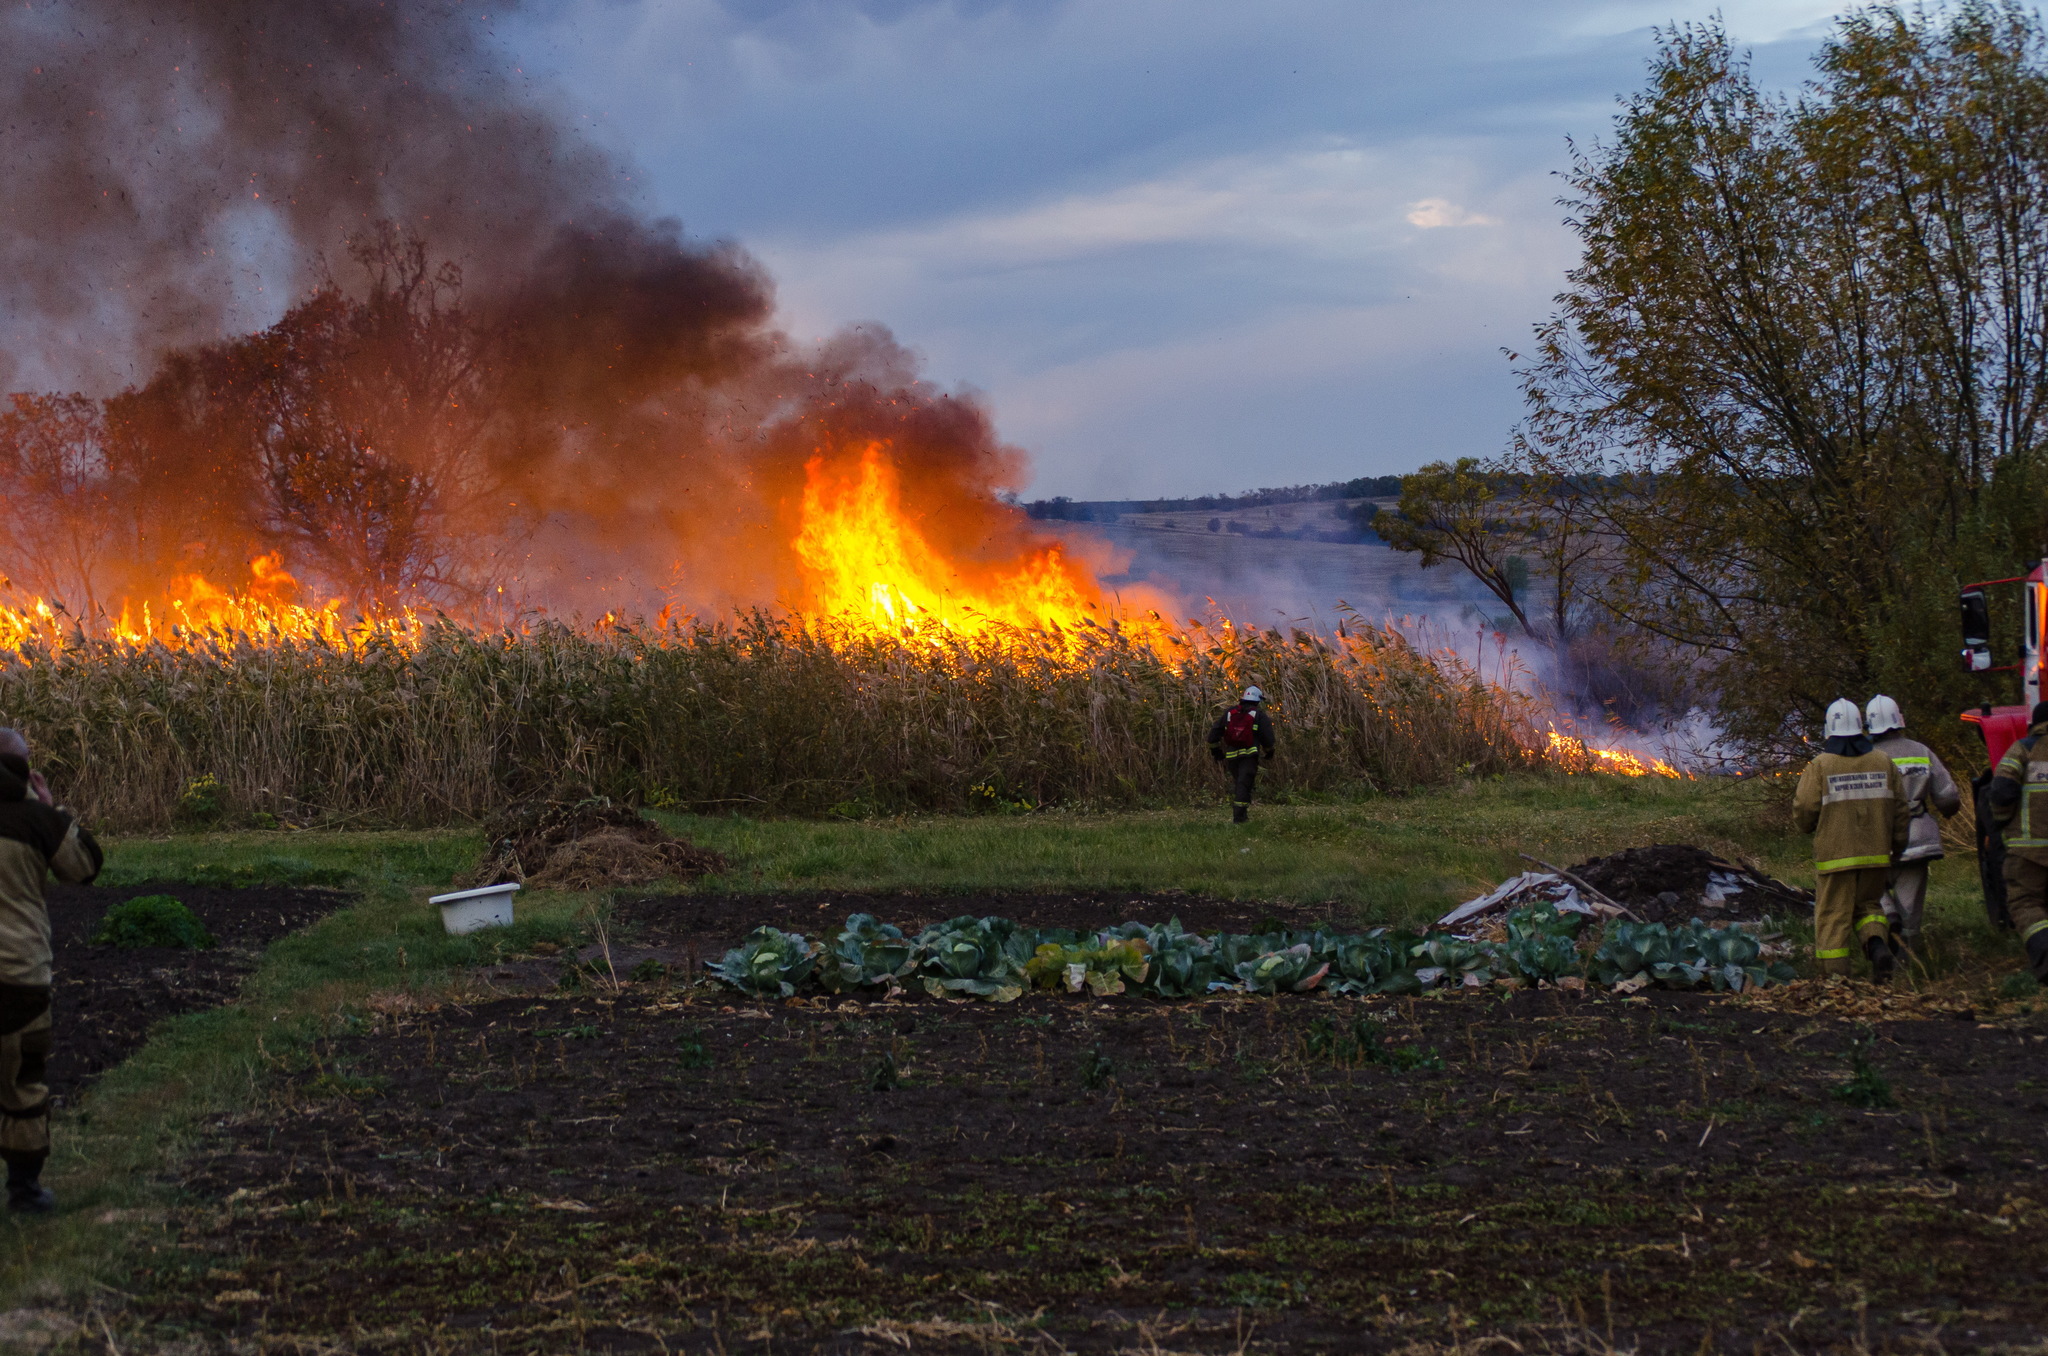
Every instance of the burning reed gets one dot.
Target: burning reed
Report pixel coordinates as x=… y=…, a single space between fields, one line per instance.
x=441 y=724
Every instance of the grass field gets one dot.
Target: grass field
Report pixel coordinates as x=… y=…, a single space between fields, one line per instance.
x=788 y=1229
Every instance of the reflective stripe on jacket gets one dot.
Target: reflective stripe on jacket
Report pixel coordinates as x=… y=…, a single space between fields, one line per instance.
x=1929 y=788
x=1855 y=808
x=2026 y=765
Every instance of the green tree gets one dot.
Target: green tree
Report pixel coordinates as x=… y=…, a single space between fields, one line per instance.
x=1801 y=368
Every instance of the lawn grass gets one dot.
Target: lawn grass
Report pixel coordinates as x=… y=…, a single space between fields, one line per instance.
x=1386 y=859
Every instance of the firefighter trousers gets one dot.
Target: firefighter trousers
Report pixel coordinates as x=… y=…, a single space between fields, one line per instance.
x=1848 y=908
x=24 y=1059
x=1906 y=901
x=1244 y=774
x=2026 y=892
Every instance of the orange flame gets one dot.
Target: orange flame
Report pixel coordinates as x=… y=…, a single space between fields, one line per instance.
x=1575 y=755
x=864 y=557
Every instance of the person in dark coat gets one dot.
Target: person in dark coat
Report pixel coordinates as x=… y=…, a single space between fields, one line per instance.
x=1241 y=737
x=38 y=838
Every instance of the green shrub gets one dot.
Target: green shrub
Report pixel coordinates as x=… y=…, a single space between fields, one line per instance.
x=153 y=920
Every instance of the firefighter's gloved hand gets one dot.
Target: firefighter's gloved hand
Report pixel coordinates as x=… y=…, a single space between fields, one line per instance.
x=1216 y=754
x=2037 y=955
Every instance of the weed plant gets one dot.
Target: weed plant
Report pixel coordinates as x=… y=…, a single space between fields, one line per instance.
x=767 y=713
x=153 y=920
x=1865 y=1088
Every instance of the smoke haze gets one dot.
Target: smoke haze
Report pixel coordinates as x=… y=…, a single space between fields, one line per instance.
x=602 y=408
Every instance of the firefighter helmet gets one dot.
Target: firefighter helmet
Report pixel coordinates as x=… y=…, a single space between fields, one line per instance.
x=1883 y=714
x=1252 y=694
x=1844 y=718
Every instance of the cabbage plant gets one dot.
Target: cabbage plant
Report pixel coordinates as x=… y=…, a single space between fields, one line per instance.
x=1102 y=968
x=867 y=953
x=1292 y=969
x=1183 y=964
x=769 y=963
x=981 y=957
x=1441 y=958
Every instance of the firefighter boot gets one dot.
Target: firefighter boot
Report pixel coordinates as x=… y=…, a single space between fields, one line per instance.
x=1240 y=813
x=25 y=1194
x=1882 y=963
x=2037 y=955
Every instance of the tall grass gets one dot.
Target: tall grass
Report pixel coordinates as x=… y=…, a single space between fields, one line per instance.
x=763 y=713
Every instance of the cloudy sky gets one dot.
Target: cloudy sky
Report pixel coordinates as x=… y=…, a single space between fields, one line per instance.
x=1181 y=246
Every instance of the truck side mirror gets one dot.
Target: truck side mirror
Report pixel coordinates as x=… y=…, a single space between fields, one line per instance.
x=1976 y=632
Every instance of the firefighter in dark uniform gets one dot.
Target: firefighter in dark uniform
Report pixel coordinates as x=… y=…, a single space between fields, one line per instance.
x=1240 y=737
x=37 y=838
x=2019 y=802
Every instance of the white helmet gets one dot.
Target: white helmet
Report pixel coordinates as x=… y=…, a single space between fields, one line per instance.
x=1252 y=694
x=1883 y=714
x=1844 y=718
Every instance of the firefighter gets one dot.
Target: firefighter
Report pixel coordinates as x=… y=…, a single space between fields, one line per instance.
x=1240 y=737
x=2019 y=803
x=1853 y=801
x=37 y=837
x=1929 y=788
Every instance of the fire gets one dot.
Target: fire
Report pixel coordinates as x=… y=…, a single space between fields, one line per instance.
x=193 y=605
x=1575 y=755
x=864 y=557
x=860 y=554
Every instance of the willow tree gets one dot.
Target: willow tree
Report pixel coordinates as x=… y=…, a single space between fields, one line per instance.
x=1805 y=355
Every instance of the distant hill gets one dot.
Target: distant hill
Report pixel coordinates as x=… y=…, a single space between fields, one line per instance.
x=1062 y=509
x=1347 y=518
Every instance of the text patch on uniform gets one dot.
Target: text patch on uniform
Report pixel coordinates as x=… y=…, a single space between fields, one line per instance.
x=1855 y=786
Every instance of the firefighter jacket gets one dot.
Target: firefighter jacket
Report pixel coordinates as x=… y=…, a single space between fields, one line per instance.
x=1928 y=788
x=1262 y=735
x=1854 y=805
x=2019 y=795
x=35 y=840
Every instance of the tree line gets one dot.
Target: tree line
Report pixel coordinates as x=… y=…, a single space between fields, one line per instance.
x=1795 y=391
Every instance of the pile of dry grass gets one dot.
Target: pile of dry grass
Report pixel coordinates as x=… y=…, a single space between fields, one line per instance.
x=585 y=845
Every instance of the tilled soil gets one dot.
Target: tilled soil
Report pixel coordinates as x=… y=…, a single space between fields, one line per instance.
x=653 y=1169
x=105 y=999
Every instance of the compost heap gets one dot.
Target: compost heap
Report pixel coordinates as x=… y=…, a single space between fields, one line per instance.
x=585 y=845
x=1675 y=882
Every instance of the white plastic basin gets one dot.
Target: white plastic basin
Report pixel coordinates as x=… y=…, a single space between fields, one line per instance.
x=471 y=910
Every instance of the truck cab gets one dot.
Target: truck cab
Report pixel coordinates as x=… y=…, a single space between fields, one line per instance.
x=2001 y=726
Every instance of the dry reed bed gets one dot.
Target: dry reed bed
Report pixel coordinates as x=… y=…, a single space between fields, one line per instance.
x=765 y=713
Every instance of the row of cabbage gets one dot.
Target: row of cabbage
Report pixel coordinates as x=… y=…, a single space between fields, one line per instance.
x=998 y=959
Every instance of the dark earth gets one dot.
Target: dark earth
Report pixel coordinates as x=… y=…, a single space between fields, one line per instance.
x=105 y=999
x=643 y=1167
x=1667 y=883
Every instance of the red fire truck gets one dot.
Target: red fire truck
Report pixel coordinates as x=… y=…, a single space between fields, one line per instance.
x=2001 y=725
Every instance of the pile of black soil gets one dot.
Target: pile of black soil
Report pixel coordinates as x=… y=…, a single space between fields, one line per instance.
x=585 y=845
x=105 y=998
x=1676 y=882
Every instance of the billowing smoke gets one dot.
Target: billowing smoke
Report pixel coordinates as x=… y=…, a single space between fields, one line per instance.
x=495 y=375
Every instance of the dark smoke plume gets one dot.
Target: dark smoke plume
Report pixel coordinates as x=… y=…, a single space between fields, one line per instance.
x=163 y=158
x=485 y=340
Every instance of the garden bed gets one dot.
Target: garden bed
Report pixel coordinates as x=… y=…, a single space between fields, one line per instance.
x=667 y=1169
x=105 y=999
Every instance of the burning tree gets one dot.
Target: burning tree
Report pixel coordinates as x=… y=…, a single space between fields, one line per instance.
x=361 y=423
